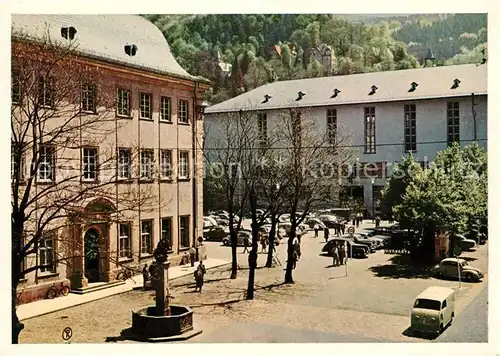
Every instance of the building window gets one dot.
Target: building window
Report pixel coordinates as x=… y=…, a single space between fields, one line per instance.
x=166 y=231
x=331 y=126
x=46 y=168
x=183 y=164
x=89 y=163
x=146 y=237
x=17 y=163
x=16 y=88
x=124 y=241
x=145 y=106
x=123 y=102
x=89 y=95
x=410 y=128
x=124 y=163
x=165 y=112
x=184 y=111
x=262 y=126
x=296 y=116
x=166 y=164
x=453 y=116
x=46 y=91
x=147 y=164
x=46 y=254
x=370 y=130
x=184 y=231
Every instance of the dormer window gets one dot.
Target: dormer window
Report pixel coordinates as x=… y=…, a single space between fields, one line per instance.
x=131 y=50
x=301 y=95
x=413 y=87
x=373 y=91
x=68 y=32
x=266 y=98
x=456 y=83
x=335 y=93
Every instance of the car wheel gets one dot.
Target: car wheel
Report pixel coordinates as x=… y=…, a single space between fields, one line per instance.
x=225 y=243
x=469 y=277
x=439 y=275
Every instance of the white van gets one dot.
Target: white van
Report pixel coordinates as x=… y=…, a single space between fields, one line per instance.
x=433 y=310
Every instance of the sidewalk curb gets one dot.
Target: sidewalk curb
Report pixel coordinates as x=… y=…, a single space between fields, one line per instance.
x=107 y=296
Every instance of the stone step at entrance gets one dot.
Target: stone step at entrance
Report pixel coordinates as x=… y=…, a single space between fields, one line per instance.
x=94 y=287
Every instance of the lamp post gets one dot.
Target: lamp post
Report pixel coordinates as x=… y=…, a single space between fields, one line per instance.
x=373 y=200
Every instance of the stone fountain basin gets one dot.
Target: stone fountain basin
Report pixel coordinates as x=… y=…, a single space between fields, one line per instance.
x=147 y=326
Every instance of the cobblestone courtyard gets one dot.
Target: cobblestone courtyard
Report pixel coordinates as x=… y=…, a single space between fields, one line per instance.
x=372 y=303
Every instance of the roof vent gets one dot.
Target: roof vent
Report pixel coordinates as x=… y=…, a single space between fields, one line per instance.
x=266 y=98
x=456 y=83
x=68 y=32
x=131 y=50
x=335 y=93
x=413 y=87
x=374 y=90
x=301 y=95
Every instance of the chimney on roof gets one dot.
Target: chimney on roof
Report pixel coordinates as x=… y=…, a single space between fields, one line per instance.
x=131 y=50
x=301 y=95
x=413 y=87
x=266 y=98
x=68 y=32
x=335 y=93
x=456 y=83
x=373 y=91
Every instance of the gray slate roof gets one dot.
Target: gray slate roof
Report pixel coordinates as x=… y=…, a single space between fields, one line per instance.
x=104 y=37
x=433 y=82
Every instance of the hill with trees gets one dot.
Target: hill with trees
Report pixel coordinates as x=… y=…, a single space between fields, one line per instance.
x=241 y=52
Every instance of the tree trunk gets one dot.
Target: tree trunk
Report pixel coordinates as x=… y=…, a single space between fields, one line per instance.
x=234 y=259
x=17 y=229
x=289 y=262
x=272 y=236
x=252 y=256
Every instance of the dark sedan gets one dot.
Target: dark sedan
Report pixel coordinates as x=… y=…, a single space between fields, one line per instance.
x=358 y=250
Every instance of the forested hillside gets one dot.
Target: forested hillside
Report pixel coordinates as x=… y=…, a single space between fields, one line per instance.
x=241 y=52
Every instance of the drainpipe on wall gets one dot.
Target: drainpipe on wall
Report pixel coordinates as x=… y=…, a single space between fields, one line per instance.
x=195 y=163
x=474 y=117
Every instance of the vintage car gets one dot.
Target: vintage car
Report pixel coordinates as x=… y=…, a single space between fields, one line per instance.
x=433 y=310
x=216 y=233
x=242 y=236
x=464 y=243
x=358 y=250
x=448 y=268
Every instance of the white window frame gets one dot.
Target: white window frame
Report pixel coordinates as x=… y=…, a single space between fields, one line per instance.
x=124 y=163
x=45 y=252
x=184 y=111
x=46 y=87
x=147 y=164
x=89 y=98
x=262 y=128
x=331 y=125
x=47 y=159
x=146 y=237
x=123 y=102
x=166 y=163
x=183 y=164
x=370 y=146
x=145 y=106
x=165 y=109
x=88 y=162
x=124 y=239
x=452 y=122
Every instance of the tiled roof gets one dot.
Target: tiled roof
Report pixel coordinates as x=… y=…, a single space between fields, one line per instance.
x=433 y=82
x=105 y=36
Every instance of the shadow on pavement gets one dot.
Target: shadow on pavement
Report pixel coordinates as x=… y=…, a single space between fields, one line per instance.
x=410 y=333
x=403 y=266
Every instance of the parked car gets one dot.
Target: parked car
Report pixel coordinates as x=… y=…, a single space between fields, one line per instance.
x=312 y=222
x=209 y=221
x=448 y=268
x=288 y=226
x=433 y=310
x=216 y=233
x=242 y=236
x=464 y=243
x=358 y=250
x=376 y=243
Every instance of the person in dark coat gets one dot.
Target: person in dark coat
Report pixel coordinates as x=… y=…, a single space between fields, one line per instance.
x=342 y=227
x=246 y=244
x=326 y=232
x=145 y=276
x=199 y=276
x=192 y=255
x=316 y=229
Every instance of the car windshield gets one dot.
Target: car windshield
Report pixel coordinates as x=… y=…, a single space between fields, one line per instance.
x=427 y=304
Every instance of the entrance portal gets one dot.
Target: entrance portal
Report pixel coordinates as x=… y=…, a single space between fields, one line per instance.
x=91 y=250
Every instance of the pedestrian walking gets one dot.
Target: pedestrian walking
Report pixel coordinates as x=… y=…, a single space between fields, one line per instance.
x=377 y=221
x=342 y=227
x=335 y=255
x=354 y=217
x=145 y=276
x=263 y=242
x=326 y=232
x=357 y=220
x=341 y=252
x=246 y=245
x=199 y=276
x=296 y=253
x=316 y=229
x=192 y=255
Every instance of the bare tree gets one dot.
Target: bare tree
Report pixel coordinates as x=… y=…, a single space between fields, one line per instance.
x=63 y=126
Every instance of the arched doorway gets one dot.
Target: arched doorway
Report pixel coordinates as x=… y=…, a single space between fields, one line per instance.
x=91 y=252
